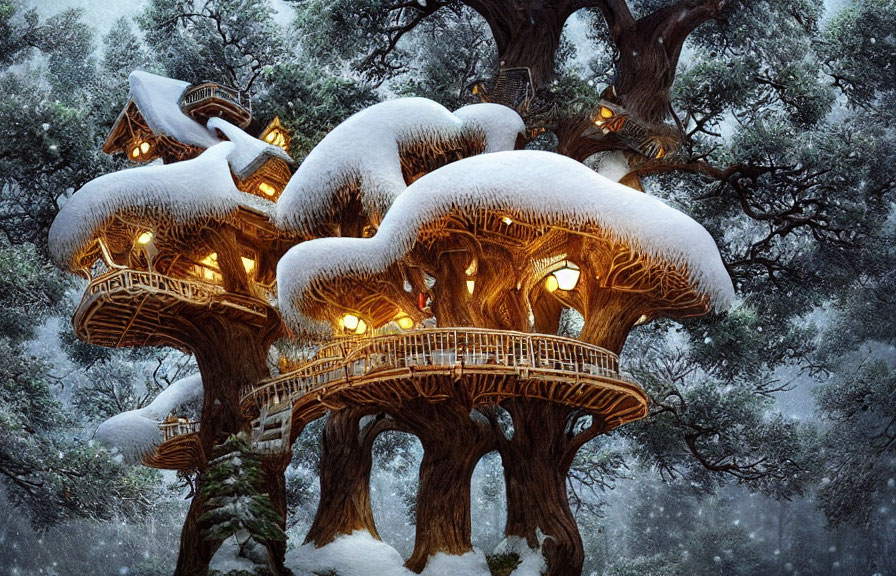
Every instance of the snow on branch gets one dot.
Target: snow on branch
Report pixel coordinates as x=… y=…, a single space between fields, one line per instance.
x=179 y=194
x=524 y=185
x=363 y=152
x=136 y=433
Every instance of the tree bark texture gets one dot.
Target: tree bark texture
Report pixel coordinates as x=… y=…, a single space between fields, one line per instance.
x=536 y=462
x=231 y=356
x=345 y=464
x=195 y=551
x=453 y=443
x=275 y=488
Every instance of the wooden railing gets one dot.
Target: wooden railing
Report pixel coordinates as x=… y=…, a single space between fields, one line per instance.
x=210 y=90
x=128 y=280
x=174 y=429
x=432 y=349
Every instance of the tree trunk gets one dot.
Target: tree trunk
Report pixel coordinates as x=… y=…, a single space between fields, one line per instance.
x=536 y=462
x=453 y=443
x=230 y=356
x=526 y=36
x=345 y=464
x=195 y=551
x=275 y=488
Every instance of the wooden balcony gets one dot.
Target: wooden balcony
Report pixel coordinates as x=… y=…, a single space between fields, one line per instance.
x=125 y=307
x=180 y=448
x=479 y=366
x=208 y=100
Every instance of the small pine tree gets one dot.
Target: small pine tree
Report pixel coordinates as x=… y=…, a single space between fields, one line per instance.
x=233 y=502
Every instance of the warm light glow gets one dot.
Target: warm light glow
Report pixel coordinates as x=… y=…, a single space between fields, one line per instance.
x=210 y=261
x=471 y=285
x=605 y=113
x=351 y=323
x=506 y=220
x=135 y=152
x=405 y=322
x=144 y=147
x=471 y=269
x=144 y=238
x=267 y=189
x=551 y=284
x=277 y=138
x=642 y=320
x=567 y=277
x=661 y=153
x=248 y=264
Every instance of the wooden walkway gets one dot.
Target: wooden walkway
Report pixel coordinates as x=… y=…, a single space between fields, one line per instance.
x=478 y=367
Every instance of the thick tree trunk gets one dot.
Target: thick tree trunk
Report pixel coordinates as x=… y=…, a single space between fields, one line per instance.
x=345 y=464
x=275 y=488
x=230 y=356
x=536 y=463
x=195 y=551
x=527 y=34
x=453 y=443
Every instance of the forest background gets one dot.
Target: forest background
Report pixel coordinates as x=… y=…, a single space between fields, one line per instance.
x=770 y=448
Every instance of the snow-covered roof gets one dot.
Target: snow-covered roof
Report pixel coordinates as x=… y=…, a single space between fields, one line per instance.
x=524 y=184
x=500 y=124
x=183 y=192
x=364 y=151
x=136 y=433
x=249 y=153
x=158 y=100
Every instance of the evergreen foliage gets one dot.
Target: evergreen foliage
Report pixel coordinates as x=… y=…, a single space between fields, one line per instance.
x=233 y=500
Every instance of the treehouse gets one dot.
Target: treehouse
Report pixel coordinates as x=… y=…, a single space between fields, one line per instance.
x=340 y=192
x=258 y=168
x=148 y=436
x=460 y=292
x=209 y=100
x=165 y=248
x=152 y=125
x=512 y=87
x=649 y=141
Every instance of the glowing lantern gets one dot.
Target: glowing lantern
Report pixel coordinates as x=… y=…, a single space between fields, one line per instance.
x=248 y=264
x=551 y=284
x=507 y=220
x=568 y=276
x=267 y=189
x=144 y=239
x=351 y=323
x=471 y=285
x=405 y=322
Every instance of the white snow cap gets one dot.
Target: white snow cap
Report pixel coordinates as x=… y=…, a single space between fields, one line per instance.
x=523 y=183
x=188 y=191
x=500 y=124
x=158 y=100
x=136 y=433
x=363 y=150
x=249 y=153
